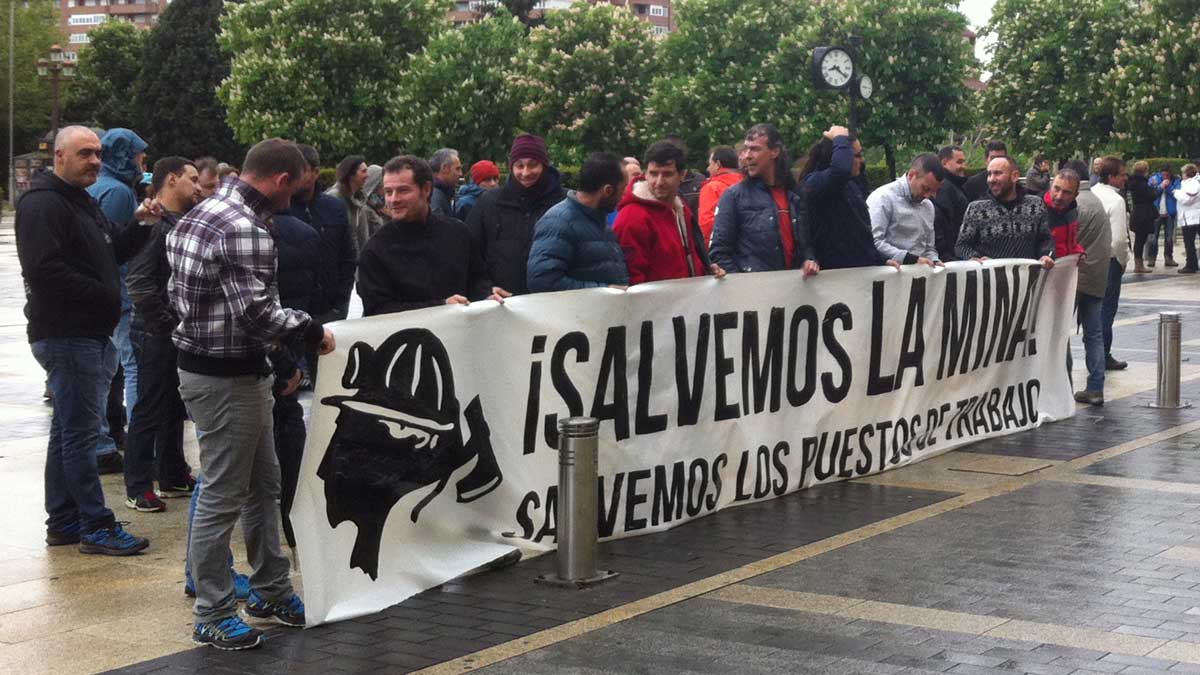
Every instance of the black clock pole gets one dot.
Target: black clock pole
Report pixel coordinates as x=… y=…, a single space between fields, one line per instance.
x=855 y=43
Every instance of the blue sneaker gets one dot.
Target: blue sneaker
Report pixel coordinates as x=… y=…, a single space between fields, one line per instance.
x=241 y=587
x=112 y=541
x=289 y=612
x=231 y=634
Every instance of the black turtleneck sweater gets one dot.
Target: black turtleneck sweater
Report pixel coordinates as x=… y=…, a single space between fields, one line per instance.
x=410 y=265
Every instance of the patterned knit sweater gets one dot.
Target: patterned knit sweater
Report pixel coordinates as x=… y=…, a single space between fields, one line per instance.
x=992 y=229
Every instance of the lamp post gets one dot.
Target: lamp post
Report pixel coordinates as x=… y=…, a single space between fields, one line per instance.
x=52 y=69
x=855 y=43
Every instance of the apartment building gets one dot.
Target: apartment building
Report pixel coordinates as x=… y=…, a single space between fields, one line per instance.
x=80 y=16
x=657 y=13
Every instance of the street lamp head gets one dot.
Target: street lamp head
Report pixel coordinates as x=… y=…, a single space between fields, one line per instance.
x=56 y=53
x=43 y=67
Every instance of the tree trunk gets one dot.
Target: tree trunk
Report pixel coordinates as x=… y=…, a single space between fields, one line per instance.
x=890 y=153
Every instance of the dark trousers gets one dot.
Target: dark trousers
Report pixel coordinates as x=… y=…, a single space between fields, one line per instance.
x=1139 y=246
x=75 y=369
x=154 y=448
x=1112 y=297
x=115 y=409
x=1189 y=244
x=289 y=448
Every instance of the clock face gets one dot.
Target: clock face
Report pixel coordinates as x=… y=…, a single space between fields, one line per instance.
x=836 y=68
x=866 y=87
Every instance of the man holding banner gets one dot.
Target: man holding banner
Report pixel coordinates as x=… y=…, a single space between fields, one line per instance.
x=419 y=259
x=1007 y=223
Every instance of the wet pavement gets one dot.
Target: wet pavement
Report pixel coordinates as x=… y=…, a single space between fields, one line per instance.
x=1068 y=549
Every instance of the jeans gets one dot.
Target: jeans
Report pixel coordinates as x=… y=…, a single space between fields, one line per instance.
x=1112 y=296
x=237 y=456
x=1167 y=224
x=154 y=447
x=128 y=366
x=1189 y=244
x=105 y=445
x=76 y=374
x=1093 y=339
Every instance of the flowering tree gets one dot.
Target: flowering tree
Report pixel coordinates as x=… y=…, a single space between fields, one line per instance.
x=1048 y=63
x=454 y=93
x=1155 y=83
x=322 y=71
x=584 y=77
x=711 y=84
x=736 y=62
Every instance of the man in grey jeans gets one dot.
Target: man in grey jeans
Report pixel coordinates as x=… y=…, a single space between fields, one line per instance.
x=223 y=288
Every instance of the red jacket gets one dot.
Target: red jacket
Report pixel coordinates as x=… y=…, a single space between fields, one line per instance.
x=710 y=196
x=1064 y=227
x=649 y=234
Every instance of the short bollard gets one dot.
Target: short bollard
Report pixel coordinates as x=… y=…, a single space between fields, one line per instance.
x=576 y=522
x=1169 y=328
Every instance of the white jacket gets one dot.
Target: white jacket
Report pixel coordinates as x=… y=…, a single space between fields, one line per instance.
x=1118 y=218
x=1187 y=200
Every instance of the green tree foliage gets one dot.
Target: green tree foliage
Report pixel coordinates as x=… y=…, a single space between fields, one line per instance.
x=322 y=71
x=36 y=28
x=711 y=83
x=108 y=71
x=584 y=77
x=1155 y=83
x=454 y=93
x=1048 y=63
x=176 y=92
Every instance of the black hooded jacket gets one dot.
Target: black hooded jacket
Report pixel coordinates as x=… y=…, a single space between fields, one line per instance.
x=501 y=224
x=69 y=253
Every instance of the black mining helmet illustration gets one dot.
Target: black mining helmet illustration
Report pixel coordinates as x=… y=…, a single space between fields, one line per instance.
x=398 y=433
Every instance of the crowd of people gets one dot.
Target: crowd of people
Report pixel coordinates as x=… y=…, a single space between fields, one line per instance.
x=212 y=291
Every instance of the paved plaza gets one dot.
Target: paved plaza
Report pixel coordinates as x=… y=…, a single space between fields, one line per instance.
x=1073 y=548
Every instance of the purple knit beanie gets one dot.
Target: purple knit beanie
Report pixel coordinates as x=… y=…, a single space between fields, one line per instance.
x=528 y=146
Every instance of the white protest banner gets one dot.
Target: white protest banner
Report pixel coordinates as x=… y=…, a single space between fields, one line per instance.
x=431 y=448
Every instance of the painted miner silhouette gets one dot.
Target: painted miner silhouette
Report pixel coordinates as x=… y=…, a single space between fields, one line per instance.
x=398 y=433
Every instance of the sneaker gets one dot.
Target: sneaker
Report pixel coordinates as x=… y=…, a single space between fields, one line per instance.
x=1170 y=262
x=241 y=587
x=1090 y=397
x=288 y=612
x=63 y=537
x=147 y=502
x=230 y=634
x=110 y=463
x=180 y=487
x=1112 y=364
x=112 y=541
x=1186 y=270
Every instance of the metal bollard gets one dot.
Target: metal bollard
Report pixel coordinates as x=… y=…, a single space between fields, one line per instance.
x=1169 y=327
x=578 y=536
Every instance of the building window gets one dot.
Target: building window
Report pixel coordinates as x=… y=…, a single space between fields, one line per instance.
x=658 y=10
x=659 y=31
x=79 y=39
x=86 y=19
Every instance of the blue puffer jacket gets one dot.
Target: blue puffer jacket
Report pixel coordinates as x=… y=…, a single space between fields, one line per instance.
x=745 y=235
x=573 y=248
x=467 y=195
x=1156 y=182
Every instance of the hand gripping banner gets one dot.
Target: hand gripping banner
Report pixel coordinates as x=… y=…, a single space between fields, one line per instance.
x=432 y=443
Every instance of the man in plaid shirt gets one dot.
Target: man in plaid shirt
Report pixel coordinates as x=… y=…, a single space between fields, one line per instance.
x=222 y=259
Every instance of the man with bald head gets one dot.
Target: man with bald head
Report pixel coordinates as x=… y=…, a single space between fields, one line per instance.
x=69 y=253
x=1005 y=223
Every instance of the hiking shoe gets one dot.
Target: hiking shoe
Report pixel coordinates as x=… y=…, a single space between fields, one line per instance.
x=63 y=537
x=110 y=463
x=241 y=587
x=1112 y=364
x=289 y=612
x=231 y=634
x=1090 y=397
x=112 y=541
x=180 y=487
x=147 y=502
